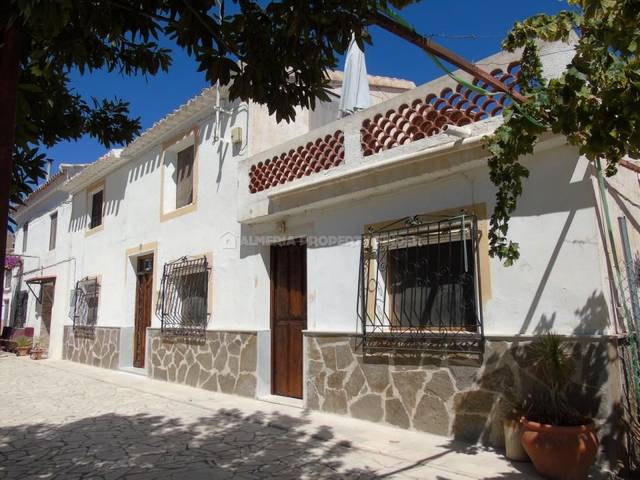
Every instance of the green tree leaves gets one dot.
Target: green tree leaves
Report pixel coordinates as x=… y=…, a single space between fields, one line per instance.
x=595 y=103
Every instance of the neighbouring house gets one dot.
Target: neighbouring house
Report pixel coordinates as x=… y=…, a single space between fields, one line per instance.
x=85 y=242
x=11 y=262
x=41 y=258
x=342 y=265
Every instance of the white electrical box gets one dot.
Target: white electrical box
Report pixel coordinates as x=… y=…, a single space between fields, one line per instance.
x=236 y=135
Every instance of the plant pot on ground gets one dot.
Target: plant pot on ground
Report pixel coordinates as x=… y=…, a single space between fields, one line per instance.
x=561 y=443
x=512 y=435
x=38 y=352
x=22 y=345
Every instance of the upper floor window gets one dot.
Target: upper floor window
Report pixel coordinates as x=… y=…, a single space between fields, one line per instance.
x=184 y=177
x=25 y=236
x=53 y=230
x=179 y=179
x=97 y=200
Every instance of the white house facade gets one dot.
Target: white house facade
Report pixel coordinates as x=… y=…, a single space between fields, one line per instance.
x=44 y=265
x=343 y=265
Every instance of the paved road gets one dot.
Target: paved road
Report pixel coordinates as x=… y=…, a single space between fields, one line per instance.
x=68 y=421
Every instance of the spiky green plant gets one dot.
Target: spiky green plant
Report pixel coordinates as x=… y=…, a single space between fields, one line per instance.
x=22 y=341
x=553 y=367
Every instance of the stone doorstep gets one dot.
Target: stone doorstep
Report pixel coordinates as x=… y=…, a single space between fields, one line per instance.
x=286 y=401
x=441 y=452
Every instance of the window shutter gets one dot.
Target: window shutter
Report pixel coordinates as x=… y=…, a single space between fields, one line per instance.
x=96 y=209
x=184 y=179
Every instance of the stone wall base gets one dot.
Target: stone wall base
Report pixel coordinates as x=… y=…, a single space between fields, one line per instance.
x=222 y=361
x=461 y=396
x=99 y=348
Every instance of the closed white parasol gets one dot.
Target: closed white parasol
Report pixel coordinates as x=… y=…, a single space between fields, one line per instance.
x=355 y=85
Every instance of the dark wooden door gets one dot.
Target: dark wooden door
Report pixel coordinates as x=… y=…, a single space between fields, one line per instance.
x=144 y=293
x=288 y=317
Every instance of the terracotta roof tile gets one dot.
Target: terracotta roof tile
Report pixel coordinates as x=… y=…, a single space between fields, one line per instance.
x=425 y=117
x=422 y=118
x=323 y=153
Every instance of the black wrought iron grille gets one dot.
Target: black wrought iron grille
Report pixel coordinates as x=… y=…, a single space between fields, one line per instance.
x=182 y=306
x=85 y=310
x=419 y=285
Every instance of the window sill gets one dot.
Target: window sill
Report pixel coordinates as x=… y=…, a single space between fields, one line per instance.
x=94 y=230
x=178 y=212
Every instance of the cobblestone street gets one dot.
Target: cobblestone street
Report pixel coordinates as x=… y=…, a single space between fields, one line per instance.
x=67 y=421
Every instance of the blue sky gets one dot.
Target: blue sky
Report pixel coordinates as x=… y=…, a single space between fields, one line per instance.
x=153 y=97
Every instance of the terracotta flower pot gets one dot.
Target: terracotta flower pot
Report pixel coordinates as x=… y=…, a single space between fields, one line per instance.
x=563 y=453
x=37 y=353
x=22 y=351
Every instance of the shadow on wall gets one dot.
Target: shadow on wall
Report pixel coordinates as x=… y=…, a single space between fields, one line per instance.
x=506 y=380
x=115 y=189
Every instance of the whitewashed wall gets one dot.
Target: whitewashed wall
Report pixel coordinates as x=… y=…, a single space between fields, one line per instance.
x=60 y=262
x=558 y=284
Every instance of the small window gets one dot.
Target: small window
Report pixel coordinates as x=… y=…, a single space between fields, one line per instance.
x=184 y=177
x=85 y=300
x=53 y=230
x=25 y=236
x=5 y=311
x=420 y=284
x=182 y=306
x=97 y=199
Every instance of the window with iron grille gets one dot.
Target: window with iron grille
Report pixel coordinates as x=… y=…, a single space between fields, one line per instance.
x=182 y=306
x=420 y=285
x=85 y=305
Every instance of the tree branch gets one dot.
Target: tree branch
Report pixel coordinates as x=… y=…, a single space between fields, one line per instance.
x=433 y=48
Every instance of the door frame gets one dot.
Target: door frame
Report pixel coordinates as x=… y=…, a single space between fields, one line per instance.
x=42 y=303
x=303 y=241
x=131 y=261
x=138 y=259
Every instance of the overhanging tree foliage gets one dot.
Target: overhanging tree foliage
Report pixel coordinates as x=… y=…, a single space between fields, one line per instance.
x=595 y=103
x=277 y=54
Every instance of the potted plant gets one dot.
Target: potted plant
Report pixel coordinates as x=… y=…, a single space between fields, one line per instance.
x=561 y=443
x=22 y=345
x=38 y=351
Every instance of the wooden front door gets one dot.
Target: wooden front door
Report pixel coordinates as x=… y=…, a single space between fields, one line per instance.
x=288 y=317
x=144 y=293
